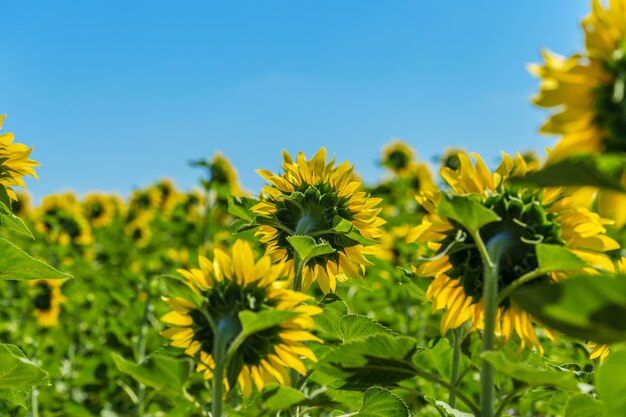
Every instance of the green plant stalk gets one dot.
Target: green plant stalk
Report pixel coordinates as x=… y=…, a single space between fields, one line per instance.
x=141 y=355
x=456 y=362
x=219 y=355
x=490 y=255
x=297 y=279
x=34 y=402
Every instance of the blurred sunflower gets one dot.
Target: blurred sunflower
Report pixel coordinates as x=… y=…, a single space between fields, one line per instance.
x=228 y=285
x=99 y=210
x=143 y=200
x=14 y=162
x=21 y=205
x=397 y=157
x=588 y=89
x=167 y=194
x=532 y=215
x=47 y=301
x=450 y=158
x=223 y=174
x=323 y=201
x=61 y=219
x=139 y=229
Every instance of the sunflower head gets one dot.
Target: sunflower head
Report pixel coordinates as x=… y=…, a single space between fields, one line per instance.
x=61 y=219
x=14 y=162
x=228 y=285
x=167 y=192
x=139 y=229
x=450 y=158
x=315 y=198
x=47 y=301
x=588 y=89
x=99 y=210
x=398 y=156
x=21 y=205
x=224 y=175
x=528 y=216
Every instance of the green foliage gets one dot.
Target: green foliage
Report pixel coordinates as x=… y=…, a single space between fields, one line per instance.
x=611 y=384
x=582 y=405
x=589 y=307
x=15 y=264
x=18 y=374
x=307 y=248
x=445 y=410
x=347 y=229
x=252 y=322
x=380 y=402
x=466 y=211
x=11 y=222
x=603 y=171
x=156 y=371
x=553 y=258
x=241 y=207
x=531 y=372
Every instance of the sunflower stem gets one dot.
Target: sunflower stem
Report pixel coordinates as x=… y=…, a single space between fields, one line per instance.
x=219 y=356
x=456 y=362
x=141 y=353
x=491 y=254
x=297 y=280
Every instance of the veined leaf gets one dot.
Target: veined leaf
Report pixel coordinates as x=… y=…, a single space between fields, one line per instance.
x=445 y=408
x=327 y=323
x=307 y=248
x=583 y=405
x=376 y=360
x=557 y=258
x=156 y=371
x=347 y=229
x=603 y=171
x=355 y=326
x=530 y=373
x=15 y=264
x=466 y=211
x=611 y=384
x=241 y=207
x=17 y=372
x=11 y=222
x=252 y=322
x=280 y=397
x=380 y=402
x=589 y=307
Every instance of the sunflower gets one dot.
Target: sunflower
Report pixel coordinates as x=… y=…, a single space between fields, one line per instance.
x=397 y=157
x=99 y=210
x=139 y=229
x=228 y=285
x=14 y=162
x=61 y=219
x=167 y=194
x=588 y=88
x=21 y=205
x=47 y=301
x=549 y=216
x=323 y=201
x=224 y=175
x=450 y=158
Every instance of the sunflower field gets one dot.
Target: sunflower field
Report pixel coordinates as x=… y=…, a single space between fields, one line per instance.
x=455 y=291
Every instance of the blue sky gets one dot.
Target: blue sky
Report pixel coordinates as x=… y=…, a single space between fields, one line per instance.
x=116 y=94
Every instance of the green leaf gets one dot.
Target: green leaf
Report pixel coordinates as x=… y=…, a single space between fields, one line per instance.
x=280 y=397
x=307 y=248
x=611 y=383
x=156 y=371
x=357 y=326
x=557 y=258
x=582 y=405
x=15 y=264
x=16 y=396
x=11 y=222
x=176 y=287
x=589 y=307
x=380 y=402
x=380 y=359
x=347 y=229
x=437 y=357
x=17 y=372
x=327 y=323
x=252 y=322
x=533 y=374
x=241 y=207
x=445 y=409
x=603 y=171
x=406 y=282
x=466 y=211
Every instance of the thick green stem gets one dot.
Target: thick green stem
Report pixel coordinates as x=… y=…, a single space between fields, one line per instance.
x=491 y=259
x=219 y=355
x=456 y=362
x=299 y=268
x=34 y=402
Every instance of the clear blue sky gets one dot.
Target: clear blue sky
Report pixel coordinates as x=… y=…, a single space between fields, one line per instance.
x=116 y=94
